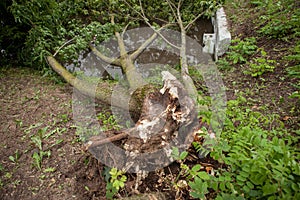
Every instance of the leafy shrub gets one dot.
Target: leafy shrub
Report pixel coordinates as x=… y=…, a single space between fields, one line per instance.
x=263 y=167
x=257 y=162
x=115 y=180
x=241 y=50
x=65 y=27
x=294 y=57
x=262 y=163
x=54 y=25
x=12 y=35
x=294 y=70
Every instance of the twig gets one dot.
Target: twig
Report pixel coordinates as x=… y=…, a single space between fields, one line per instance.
x=171 y=5
x=146 y=20
x=67 y=42
x=95 y=143
x=191 y=22
x=125 y=28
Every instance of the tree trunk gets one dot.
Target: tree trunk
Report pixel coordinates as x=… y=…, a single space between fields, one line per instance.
x=101 y=91
x=168 y=118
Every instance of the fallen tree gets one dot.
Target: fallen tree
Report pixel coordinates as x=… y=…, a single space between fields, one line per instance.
x=167 y=116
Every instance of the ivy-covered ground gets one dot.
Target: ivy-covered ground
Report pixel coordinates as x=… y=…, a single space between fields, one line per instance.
x=256 y=156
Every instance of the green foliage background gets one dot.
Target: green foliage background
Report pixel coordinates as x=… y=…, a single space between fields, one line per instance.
x=46 y=26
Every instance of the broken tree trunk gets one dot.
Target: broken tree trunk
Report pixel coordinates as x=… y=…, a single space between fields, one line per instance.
x=169 y=118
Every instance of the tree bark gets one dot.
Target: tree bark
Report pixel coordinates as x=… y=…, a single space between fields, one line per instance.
x=101 y=91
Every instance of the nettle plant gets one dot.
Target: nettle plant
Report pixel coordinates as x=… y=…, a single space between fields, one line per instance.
x=278 y=19
x=260 y=65
x=115 y=181
x=241 y=52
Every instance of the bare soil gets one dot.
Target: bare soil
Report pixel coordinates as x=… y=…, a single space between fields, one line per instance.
x=29 y=103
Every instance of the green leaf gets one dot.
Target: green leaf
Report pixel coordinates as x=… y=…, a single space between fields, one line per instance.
x=257 y=178
x=203 y=175
x=269 y=189
x=295 y=186
x=175 y=153
x=12 y=158
x=244 y=174
x=246 y=188
x=222 y=186
x=123 y=178
x=197 y=195
x=250 y=185
x=228 y=185
x=241 y=178
x=50 y=169
x=196 y=168
x=183 y=155
x=37 y=160
x=214 y=185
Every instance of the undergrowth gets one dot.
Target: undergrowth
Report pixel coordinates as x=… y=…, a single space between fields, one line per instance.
x=259 y=156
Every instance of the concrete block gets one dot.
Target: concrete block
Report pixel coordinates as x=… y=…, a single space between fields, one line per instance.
x=223 y=36
x=209 y=40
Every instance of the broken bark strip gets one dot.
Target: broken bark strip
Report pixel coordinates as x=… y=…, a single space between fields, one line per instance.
x=96 y=141
x=102 y=91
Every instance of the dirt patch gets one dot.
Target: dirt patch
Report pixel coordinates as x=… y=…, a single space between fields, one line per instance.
x=30 y=104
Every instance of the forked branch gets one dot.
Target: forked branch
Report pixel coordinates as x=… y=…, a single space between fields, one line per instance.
x=114 y=61
x=140 y=50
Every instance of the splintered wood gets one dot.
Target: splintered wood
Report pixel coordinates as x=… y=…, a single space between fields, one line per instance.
x=168 y=119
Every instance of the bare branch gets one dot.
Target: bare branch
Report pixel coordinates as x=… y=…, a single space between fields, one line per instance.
x=179 y=5
x=120 y=40
x=101 y=140
x=195 y=19
x=146 y=20
x=163 y=37
x=67 y=42
x=142 y=10
x=179 y=15
x=125 y=29
x=114 y=61
x=136 y=53
x=172 y=6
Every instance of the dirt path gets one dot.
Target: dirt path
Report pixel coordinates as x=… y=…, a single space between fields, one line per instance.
x=34 y=109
